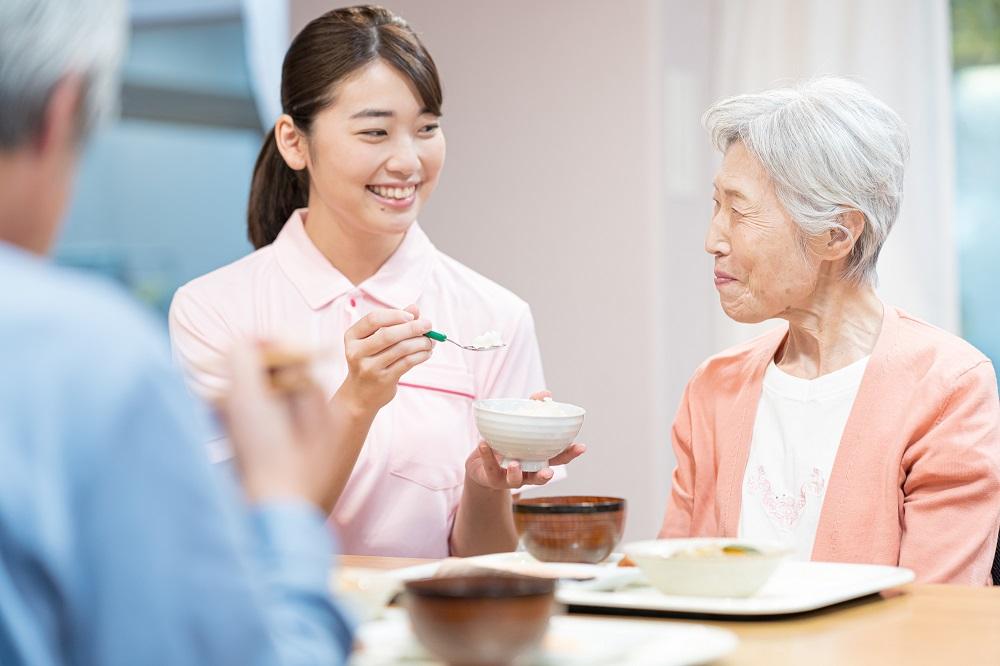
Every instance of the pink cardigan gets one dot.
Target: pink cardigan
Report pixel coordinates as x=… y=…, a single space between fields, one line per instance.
x=916 y=480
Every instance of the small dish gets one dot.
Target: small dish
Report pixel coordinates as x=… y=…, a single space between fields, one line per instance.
x=711 y=567
x=364 y=592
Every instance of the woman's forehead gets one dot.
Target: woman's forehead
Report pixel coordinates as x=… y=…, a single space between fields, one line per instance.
x=741 y=174
x=378 y=89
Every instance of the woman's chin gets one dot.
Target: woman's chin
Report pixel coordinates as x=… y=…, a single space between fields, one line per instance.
x=390 y=224
x=743 y=315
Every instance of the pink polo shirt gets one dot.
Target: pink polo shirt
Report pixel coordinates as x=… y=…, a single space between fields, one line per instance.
x=403 y=493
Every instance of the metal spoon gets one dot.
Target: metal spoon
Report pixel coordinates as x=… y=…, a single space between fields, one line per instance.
x=441 y=337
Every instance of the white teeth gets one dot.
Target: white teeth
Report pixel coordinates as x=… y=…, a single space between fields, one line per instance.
x=393 y=192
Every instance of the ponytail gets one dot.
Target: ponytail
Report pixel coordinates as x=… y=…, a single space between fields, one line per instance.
x=275 y=191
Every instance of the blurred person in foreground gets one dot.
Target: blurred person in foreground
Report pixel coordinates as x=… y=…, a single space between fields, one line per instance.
x=118 y=542
x=856 y=432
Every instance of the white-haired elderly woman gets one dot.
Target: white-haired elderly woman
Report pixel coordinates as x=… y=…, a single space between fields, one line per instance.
x=856 y=433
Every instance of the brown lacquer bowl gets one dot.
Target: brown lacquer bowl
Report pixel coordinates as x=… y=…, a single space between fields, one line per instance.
x=482 y=620
x=577 y=528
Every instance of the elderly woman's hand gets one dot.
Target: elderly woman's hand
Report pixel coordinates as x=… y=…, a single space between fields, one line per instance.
x=483 y=466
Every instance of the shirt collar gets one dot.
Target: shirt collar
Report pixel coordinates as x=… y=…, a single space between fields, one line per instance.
x=398 y=283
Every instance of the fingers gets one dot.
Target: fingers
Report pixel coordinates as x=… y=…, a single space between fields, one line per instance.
x=255 y=417
x=545 y=475
x=514 y=475
x=405 y=347
x=570 y=453
x=308 y=410
x=541 y=395
x=406 y=363
x=539 y=478
x=248 y=379
x=496 y=476
x=387 y=336
x=413 y=310
x=375 y=320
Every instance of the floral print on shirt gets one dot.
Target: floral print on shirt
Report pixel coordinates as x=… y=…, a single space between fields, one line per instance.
x=783 y=508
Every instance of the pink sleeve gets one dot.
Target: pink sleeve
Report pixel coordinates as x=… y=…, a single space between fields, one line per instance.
x=200 y=339
x=680 y=505
x=951 y=503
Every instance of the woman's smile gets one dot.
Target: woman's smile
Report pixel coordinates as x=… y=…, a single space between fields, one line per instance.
x=400 y=196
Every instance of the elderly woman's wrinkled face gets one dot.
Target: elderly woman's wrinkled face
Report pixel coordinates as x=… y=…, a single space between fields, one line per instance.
x=760 y=268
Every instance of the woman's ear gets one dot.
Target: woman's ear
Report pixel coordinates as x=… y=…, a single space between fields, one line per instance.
x=839 y=243
x=291 y=143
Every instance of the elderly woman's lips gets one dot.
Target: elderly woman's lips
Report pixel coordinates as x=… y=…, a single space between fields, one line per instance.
x=723 y=278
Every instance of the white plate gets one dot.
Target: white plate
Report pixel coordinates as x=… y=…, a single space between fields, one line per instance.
x=795 y=587
x=570 y=641
x=604 y=576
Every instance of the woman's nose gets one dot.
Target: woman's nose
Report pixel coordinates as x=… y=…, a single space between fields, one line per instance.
x=716 y=240
x=405 y=160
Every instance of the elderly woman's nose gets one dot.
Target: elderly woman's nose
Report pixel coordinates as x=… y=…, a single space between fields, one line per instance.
x=716 y=241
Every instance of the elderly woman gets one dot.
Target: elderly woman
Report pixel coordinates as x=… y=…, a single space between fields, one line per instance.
x=856 y=433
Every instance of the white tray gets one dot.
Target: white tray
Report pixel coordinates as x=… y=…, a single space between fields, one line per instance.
x=795 y=587
x=570 y=641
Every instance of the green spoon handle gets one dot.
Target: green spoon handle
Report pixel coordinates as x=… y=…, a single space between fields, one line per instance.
x=434 y=335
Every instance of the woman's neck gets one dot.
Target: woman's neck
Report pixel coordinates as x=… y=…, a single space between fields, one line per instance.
x=838 y=326
x=356 y=253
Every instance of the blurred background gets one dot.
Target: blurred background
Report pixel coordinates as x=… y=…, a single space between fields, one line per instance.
x=578 y=174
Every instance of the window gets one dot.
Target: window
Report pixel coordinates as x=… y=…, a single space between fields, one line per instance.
x=161 y=195
x=976 y=38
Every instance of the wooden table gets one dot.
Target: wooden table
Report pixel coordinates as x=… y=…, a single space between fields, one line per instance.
x=915 y=624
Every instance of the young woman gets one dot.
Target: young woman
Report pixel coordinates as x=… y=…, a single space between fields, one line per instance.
x=333 y=207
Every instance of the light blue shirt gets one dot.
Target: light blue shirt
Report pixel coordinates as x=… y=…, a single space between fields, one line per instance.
x=119 y=544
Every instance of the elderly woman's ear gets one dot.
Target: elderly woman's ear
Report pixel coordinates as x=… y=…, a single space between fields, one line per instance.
x=840 y=241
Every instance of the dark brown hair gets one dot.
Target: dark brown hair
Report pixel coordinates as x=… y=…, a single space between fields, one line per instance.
x=324 y=53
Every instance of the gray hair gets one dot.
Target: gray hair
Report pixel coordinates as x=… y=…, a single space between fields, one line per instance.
x=43 y=41
x=830 y=147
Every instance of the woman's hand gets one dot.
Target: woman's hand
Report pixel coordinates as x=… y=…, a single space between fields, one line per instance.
x=280 y=438
x=380 y=348
x=483 y=466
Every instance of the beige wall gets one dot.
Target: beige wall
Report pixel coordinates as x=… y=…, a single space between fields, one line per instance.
x=554 y=188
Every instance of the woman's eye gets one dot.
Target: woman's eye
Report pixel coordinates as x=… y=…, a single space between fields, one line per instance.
x=427 y=129
x=375 y=133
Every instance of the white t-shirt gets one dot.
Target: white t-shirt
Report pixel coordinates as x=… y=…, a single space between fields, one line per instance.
x=795 y=439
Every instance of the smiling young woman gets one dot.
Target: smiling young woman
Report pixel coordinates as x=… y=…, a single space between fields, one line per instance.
x=333 y=211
